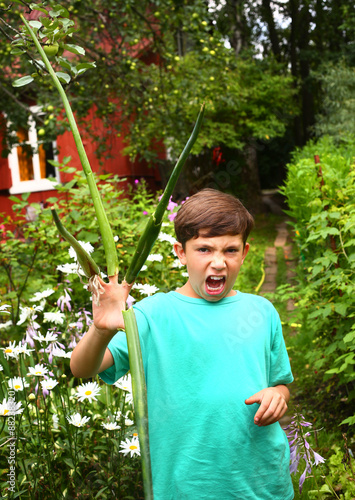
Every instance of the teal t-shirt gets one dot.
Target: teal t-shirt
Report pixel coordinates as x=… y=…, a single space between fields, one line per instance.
x=202 y=360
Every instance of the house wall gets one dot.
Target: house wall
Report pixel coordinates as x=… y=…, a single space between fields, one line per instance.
x=113 y=162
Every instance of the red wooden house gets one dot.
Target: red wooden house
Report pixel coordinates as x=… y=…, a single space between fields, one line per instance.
x=27 y=170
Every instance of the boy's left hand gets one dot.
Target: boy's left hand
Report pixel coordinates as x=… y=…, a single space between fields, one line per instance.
x=272 y=402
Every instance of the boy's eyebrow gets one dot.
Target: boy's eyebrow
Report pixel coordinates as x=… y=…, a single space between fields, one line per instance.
x=206 y=244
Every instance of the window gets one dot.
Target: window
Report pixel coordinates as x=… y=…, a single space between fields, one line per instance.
x=29 y=160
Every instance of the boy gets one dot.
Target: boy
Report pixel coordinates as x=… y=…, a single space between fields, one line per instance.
x=209 y=354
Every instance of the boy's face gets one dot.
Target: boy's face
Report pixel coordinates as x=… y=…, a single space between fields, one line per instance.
x=213 y=265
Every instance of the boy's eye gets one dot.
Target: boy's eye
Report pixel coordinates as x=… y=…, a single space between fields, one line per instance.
x=203 y=250
x=232 y=250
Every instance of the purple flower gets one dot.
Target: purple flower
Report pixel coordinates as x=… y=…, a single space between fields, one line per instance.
x=136 y=181
x=172 y=216
x=302 y=479
x=145 y=212
x=64 y=300
x=171 y=205
x=318 y=459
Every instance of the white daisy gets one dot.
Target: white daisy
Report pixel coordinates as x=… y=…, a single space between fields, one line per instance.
x=4 y=307
x=85 y=245
x=124 y=383
x=38 y=296
x=22 y=349
x=8 y=408
x=155 y=257
x=38 y=371
x=129 y=398
x=60 y=353
x=71 y=268
x=56 y=317
x=55 y=420
x=1 y=368
x=111 y=426
x=177 y=263
x=10 y=351
x=27 y=312
x=146 y=289
x=77 y=420
x=17 y=383
x=49 y=337
x=128 y=421
x=6 y=324
x=130 y=446
x=49 y=384
x=166 y=237
x=88 y=391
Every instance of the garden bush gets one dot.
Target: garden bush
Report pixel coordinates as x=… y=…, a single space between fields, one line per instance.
x=71 y=435
x=321 y=200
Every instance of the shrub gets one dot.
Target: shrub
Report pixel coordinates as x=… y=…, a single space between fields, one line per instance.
x=321 y=203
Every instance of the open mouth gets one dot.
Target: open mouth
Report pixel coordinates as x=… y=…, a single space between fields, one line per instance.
x=215 y=284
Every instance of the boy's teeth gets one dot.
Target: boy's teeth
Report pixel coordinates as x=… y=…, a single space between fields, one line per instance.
x=216 y=277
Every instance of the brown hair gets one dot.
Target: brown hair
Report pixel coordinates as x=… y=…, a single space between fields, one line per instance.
x=211 y=213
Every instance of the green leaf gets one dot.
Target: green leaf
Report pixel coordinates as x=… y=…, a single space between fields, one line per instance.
x=75 y=49
x=341 y=308
x=17 y=52
x=35 y=24
x=64 y=77
x=82 y=67
x=24 y=80
x=349 y=420
x=349 y=337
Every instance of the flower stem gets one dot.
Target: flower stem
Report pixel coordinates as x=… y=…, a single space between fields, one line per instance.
x=139 y=390
x=105 y=229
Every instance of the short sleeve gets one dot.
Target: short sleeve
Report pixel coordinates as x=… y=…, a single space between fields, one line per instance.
x=119 y=350
x=280 y=368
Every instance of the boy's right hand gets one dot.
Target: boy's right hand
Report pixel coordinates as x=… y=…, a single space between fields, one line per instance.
x=107 y=316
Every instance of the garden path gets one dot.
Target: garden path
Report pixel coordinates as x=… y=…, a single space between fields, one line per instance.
x=282 y=240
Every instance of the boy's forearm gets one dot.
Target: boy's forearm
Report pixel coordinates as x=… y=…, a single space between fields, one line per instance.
x=89 y=353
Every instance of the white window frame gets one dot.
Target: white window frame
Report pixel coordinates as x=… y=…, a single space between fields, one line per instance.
x=37 y=184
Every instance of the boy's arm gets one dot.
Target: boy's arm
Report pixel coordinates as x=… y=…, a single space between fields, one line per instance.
x=91 y=355
x=273 y=404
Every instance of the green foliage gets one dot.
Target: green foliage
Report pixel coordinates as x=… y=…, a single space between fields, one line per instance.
x=338 y=106
x=153 y=70
x=321 y=204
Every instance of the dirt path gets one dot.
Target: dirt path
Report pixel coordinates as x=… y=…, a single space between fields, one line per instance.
x=270 y=263
x=283 y=241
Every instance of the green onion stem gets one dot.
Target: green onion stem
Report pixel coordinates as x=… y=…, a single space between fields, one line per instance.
x=139 y=390
x=152 y=228
x=159 y=212
x=87 y=263
x=105 y=229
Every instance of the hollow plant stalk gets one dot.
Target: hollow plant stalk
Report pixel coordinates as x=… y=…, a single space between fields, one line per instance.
x=104 y=226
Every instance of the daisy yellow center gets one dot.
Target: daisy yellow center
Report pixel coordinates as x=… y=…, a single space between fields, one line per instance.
x=17 y=387
x=6 y=411
x=38 y=373
x=87 y=393
x=8 y=350
x=49 y=387
x=133 y=447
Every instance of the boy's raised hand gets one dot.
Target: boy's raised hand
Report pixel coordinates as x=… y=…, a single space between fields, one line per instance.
x=273 y=404
x=107 y=314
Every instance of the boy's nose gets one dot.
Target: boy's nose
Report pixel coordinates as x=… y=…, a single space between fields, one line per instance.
x=218 y=262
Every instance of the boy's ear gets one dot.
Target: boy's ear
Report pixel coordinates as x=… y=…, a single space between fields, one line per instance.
x=180 y=252
x=245 y=251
